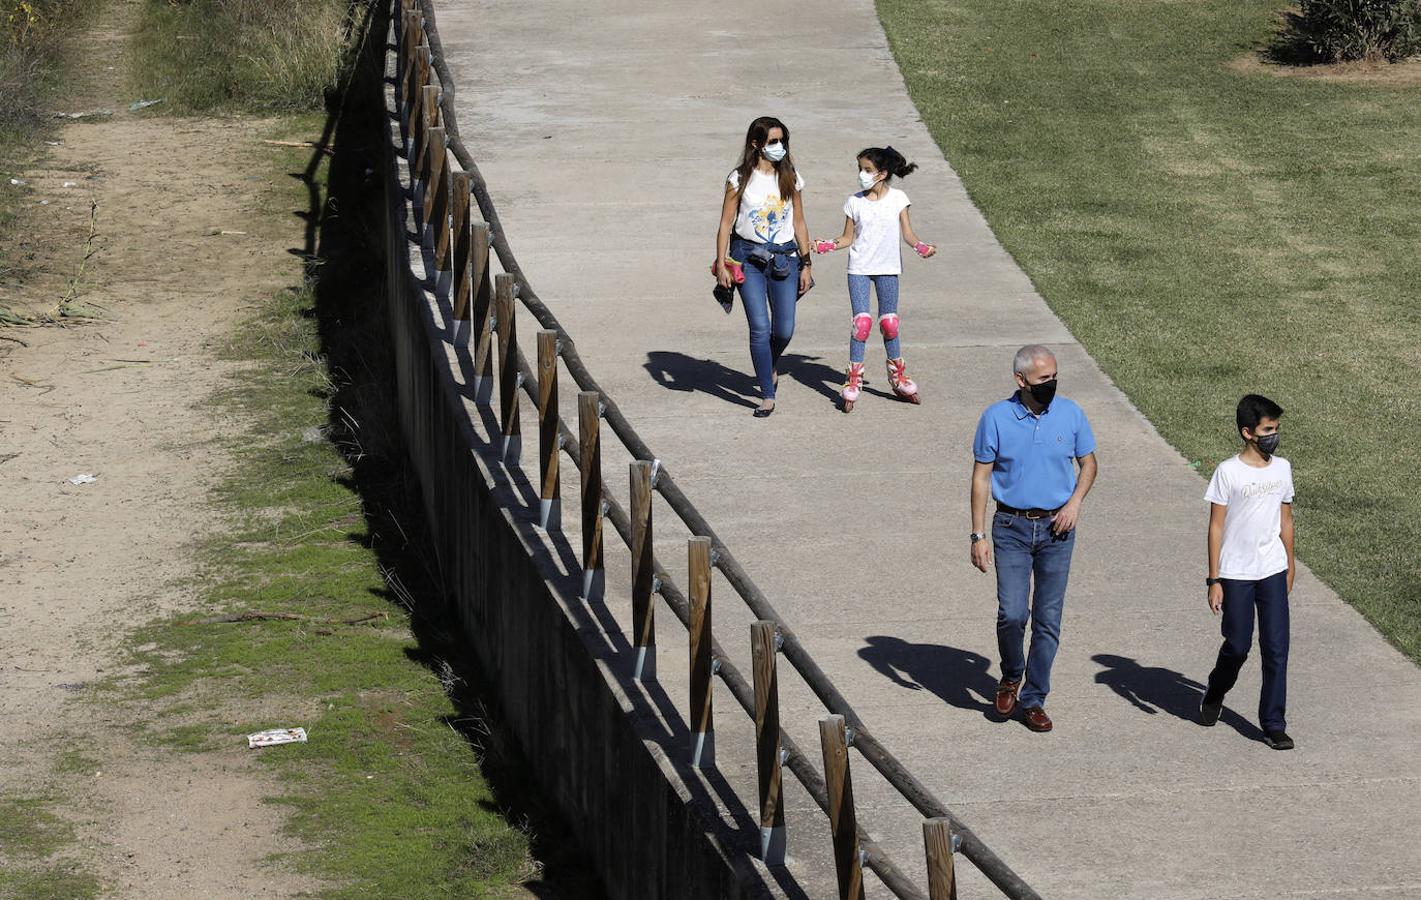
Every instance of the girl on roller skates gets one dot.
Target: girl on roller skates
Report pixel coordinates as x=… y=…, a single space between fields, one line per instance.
x=875 y=219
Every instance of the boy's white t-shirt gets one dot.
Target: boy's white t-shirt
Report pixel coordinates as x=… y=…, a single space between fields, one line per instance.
x=1252 y=546
x=876 y=250
x=765 y=217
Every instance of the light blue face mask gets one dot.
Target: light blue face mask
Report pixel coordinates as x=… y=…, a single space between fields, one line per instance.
x=774 y=152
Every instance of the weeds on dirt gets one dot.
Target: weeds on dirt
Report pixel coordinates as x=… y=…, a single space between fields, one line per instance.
x=320 y=598
x=31 y=862
x=241 y=54
x=35 y=37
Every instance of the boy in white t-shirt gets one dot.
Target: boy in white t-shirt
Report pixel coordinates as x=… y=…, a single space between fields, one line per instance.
x=1251 y=565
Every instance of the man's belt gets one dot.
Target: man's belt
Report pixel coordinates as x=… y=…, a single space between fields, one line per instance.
x=1028 y=513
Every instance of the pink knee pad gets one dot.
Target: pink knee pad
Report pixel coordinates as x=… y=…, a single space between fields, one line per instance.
x=863 y=324
x=888 y=325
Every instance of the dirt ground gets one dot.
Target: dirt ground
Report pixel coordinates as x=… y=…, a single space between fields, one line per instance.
x=126 y=398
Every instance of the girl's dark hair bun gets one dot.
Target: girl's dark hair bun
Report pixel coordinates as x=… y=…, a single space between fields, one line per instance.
x=886 y=159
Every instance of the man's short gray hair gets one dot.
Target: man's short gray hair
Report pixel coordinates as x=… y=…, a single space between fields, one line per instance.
x=1028 y=355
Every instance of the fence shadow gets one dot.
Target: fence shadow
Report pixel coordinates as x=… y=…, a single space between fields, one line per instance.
x=960 y=678
x=1154 y=690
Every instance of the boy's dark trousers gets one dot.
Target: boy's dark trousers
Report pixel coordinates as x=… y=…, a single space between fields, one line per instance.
x=1269 y=596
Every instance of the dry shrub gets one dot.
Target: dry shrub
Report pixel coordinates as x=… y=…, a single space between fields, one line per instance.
x=252 y=54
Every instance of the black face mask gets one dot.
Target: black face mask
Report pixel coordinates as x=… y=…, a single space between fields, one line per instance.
x=1044 y=392
x=1268 y=443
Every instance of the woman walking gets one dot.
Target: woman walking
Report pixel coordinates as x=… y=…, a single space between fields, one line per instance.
x=763 y=235
x=875 y=220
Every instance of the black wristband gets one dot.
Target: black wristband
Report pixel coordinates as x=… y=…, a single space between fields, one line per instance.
x=1212 y=581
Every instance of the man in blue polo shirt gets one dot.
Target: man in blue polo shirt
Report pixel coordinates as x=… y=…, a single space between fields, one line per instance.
x=1027 y=448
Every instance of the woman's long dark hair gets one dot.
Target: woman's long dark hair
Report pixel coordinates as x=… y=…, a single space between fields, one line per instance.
x=750 y=157
x=886 y=159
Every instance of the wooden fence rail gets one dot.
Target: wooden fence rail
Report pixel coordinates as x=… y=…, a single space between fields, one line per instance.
x=446 y=188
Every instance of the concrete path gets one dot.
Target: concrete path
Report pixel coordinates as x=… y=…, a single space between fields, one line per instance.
x=605 y=132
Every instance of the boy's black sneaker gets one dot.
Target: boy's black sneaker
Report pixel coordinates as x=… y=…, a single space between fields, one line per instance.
x=1278 y=740
x=1209 y=712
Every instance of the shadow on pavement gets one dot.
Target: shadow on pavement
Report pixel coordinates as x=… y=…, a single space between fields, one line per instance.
x=960 y=677
x=677 y=371
x=1154 y=689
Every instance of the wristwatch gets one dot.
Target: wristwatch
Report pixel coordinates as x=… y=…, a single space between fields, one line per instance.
x=978 y=536
x=1212 y=581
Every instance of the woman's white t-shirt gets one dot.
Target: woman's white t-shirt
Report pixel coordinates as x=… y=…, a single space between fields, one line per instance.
x=876 y=250
x=765 y=217
x=1253 y=544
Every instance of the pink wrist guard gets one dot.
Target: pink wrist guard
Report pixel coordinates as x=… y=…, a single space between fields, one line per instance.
x=824 y=246
x=922 y=248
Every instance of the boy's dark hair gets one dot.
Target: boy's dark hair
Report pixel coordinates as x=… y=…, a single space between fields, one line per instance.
x=886 y=159
x=1254 y=408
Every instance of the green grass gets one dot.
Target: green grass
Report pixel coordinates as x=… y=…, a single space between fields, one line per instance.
x=239 y=54
x=1208 y=232
x=31 y=838
x=388 y=794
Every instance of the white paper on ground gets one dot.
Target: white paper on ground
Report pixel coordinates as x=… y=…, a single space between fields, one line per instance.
x=274 y=736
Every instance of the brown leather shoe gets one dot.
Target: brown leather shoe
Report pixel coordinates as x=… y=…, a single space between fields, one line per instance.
x=1006 y=696
x=1036 y=719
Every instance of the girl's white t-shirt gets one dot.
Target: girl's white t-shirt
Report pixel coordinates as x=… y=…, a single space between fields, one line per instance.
x=876 y=249
x=1253 y=544
x=765 y=217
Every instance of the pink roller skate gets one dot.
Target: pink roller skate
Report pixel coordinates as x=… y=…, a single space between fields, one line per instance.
x=903 y=386
x=853 y=383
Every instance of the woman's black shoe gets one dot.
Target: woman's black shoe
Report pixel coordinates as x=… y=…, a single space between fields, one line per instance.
x=764 y=412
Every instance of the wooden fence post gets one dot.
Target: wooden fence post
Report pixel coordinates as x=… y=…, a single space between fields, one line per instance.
x=460 y=256
x=441 y=214
x=409 y=65
x=843 y=824
x=763 y=649
x=419 y=77
x=428 y=118
x=698 y=566
x=506 y=324
x=549 y=441
x=589 y=421
x=643 y=609
x=481 y=336
x=937 y=842
x=436 y=187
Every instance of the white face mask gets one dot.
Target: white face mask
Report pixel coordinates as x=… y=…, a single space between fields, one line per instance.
x=867 y=179
x=774 y=152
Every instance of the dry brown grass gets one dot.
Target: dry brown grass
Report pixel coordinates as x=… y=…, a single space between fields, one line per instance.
x=1380 y=74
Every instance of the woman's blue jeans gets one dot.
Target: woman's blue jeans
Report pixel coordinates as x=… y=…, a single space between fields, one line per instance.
x=769 y=304
x=1024 y=548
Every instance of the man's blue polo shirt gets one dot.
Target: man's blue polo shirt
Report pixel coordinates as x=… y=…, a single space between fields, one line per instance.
x=1033 y=457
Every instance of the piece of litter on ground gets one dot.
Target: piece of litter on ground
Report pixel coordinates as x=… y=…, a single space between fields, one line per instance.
x=18 y=181
x=136 y=105
x=44 y=203
x=313 y=435
x=70 y=184
x=220 y=231
x=85 y=478
x=54 y=143
x=274 y=736
x=87 y=114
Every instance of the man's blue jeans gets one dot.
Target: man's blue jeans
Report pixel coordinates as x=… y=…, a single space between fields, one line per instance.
x=1269 y=596
x=1024 y=548
x=770 y=304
